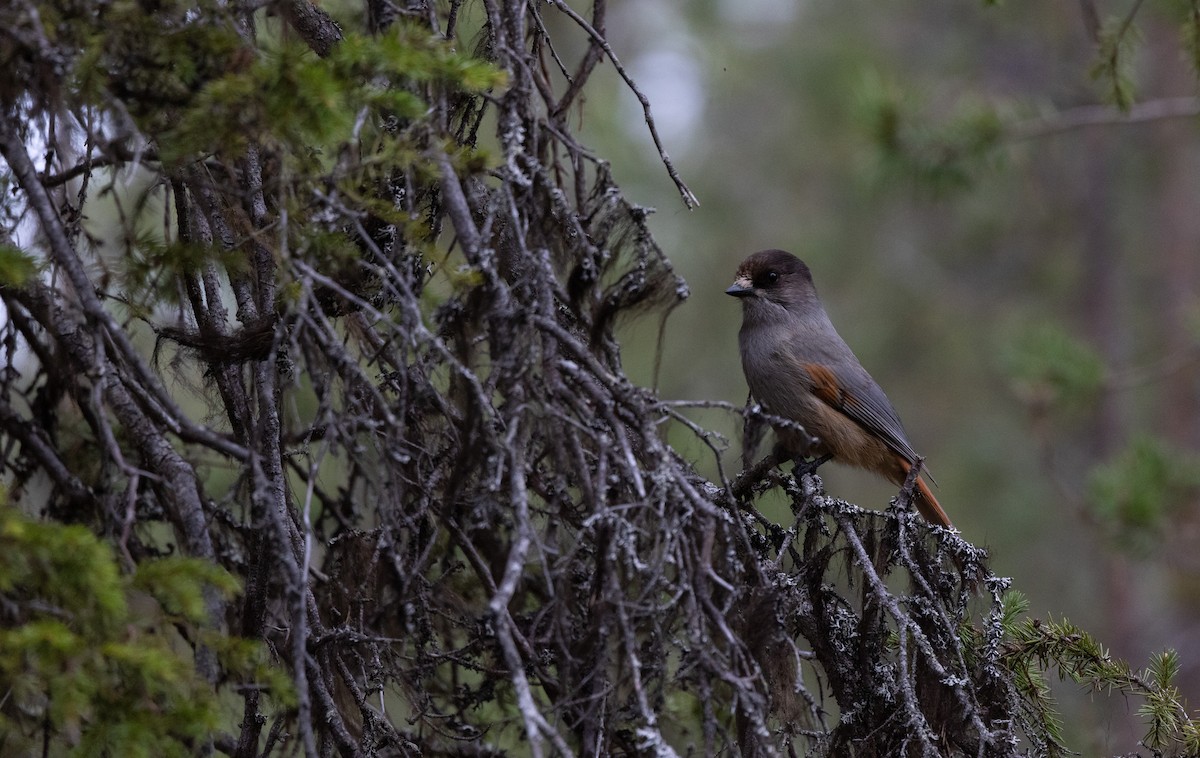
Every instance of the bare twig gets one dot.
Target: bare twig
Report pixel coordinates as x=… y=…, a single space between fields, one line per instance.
x=689 y=199
x=1105 y=115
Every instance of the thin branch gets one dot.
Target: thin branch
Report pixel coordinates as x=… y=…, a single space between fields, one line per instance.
x=689 y=199
x=34 y=443
x=1104 y=115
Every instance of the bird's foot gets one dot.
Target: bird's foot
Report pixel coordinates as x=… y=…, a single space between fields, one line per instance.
x=803 y=466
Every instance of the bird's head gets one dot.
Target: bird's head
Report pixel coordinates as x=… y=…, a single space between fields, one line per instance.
x=773 y=278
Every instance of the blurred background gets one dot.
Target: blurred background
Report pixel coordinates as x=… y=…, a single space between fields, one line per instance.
x=1013 y=262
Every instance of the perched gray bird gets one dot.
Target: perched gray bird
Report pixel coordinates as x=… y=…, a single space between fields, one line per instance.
x=799 y=368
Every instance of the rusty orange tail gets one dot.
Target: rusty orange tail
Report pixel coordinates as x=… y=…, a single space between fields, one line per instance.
x=929 y=506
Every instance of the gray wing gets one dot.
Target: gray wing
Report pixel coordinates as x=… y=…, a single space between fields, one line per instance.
x=856 y=394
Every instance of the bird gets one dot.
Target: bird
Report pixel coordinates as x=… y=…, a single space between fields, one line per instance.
x=800 y=369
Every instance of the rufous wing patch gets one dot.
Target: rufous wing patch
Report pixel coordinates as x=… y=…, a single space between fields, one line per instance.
x=825 y=385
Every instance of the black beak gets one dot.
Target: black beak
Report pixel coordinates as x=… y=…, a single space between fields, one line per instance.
x=738 y=290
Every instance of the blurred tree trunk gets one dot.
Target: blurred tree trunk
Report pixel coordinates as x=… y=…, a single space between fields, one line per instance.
x=1103 y=285
x=1176 y=235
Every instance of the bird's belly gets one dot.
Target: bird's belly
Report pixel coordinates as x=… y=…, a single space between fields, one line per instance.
x=827 y=431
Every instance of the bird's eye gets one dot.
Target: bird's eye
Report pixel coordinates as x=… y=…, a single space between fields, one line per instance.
x=772 y=277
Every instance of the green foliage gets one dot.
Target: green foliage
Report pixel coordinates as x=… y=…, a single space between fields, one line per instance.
x=1133 y=495
x=944 y=158
x=178 y=585
x=1041 y=645
x=153 y=58
x=1032 y=647
x=1113 y=69
x=1050 y=368
x=1164 y=704
x=1037 y=702
x=291 y=98
x=67 y=562
x=90 y=664
x=16 y=266
x=1013 y=605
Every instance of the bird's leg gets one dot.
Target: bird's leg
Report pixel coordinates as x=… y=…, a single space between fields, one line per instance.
x=746 y=481
x=803 y=466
